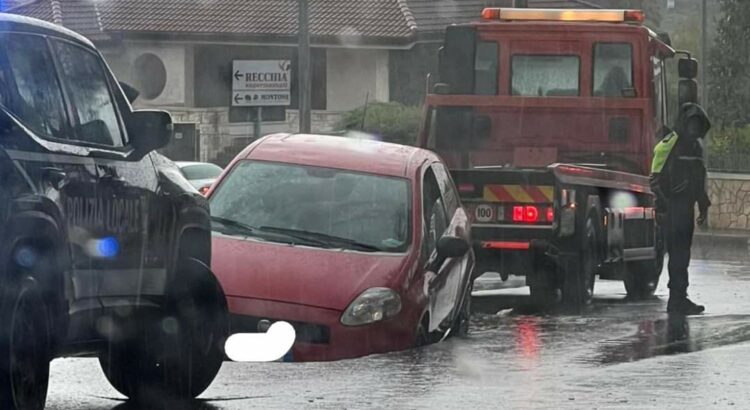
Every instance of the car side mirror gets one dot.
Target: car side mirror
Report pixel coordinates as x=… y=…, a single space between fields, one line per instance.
x=687 y=92
x=452 y=247
x=149 y=130
x=687 y=68
x=130 y=92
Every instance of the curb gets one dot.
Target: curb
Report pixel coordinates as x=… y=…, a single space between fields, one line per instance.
x=719 y=245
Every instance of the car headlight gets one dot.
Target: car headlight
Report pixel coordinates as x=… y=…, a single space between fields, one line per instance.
x=373 y=305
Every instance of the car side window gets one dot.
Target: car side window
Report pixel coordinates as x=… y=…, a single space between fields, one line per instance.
x=95 y=113
x=28 y=85
x=434 y=218
x=447 y=189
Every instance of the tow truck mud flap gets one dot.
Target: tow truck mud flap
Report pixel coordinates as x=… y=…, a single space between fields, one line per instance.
x=544 y=262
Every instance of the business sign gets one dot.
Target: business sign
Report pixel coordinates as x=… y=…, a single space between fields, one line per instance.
x=258 y=83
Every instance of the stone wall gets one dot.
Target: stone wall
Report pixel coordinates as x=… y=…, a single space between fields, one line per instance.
x=218 y=134
x=730 y=196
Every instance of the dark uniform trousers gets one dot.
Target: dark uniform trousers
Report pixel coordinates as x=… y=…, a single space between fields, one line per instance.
x=680 y=224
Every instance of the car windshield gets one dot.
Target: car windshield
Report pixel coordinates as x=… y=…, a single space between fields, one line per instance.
x=368 y=209
x=201 y=171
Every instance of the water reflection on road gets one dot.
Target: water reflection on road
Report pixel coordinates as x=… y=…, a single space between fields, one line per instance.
x=616 y=355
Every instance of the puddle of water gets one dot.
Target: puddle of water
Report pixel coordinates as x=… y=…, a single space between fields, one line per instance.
x=673 y=334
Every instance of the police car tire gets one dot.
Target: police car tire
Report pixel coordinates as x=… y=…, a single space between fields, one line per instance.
x=179 y=355
x=24 y=318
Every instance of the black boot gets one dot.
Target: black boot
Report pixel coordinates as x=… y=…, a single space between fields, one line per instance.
x=680 y=304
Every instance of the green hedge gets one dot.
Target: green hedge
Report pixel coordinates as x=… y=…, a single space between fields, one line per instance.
x=392 y=122
x=729 y=150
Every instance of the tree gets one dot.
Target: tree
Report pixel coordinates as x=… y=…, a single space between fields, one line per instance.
x=729 y=66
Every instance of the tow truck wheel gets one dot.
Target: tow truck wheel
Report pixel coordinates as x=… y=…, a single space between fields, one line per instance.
x=544 y=297
x=579 y=271
x=24 y=347
x=179 y=354
x=642 y=277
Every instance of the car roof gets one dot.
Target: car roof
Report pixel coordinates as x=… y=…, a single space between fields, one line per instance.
x=12 y=22
x=359 y=155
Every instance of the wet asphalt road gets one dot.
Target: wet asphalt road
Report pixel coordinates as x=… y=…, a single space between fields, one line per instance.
x=616 y=355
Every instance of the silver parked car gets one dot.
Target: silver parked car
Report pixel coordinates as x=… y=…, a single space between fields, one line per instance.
x=200 y=174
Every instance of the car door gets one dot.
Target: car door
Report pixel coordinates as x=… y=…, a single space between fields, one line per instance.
x=125 y=215
x=442 y=286
x=60 y=181
x=457 y=271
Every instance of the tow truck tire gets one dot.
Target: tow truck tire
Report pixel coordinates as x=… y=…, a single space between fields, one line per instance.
x=544 y=297
x=641 y=278
x=579 y=271
x=24 y=347
x=179 y=354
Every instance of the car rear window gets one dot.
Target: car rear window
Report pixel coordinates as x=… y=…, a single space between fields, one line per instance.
x=545 y=75
x=201 y=171
x=367 y=208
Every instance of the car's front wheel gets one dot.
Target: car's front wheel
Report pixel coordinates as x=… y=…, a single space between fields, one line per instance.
x=24 y=346
x=179 y=352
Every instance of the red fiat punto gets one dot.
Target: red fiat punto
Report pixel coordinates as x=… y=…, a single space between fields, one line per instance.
x=362 y=246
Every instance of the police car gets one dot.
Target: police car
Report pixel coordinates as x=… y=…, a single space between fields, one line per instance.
x=104 y=246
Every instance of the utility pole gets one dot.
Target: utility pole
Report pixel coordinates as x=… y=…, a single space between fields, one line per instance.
x=303 y=66
x=704 y=53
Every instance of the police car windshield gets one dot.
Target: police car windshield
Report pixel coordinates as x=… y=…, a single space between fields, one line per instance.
x=368 y=209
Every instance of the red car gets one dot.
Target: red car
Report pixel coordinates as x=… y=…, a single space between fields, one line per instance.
x=362 y=246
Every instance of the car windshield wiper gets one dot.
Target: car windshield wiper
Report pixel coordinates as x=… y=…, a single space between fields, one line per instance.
x=324 y=239
x=239 y=226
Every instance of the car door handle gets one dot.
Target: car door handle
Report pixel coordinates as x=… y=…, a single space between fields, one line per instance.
x=55 y=175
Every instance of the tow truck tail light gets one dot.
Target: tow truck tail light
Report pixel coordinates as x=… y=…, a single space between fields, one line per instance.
x=608 y=16
x=466 y=187
x=530 y=214
x=550 y=214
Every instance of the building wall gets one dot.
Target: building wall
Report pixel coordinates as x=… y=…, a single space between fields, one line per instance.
x=177 y=64
x=730 y=196
x=352 y=74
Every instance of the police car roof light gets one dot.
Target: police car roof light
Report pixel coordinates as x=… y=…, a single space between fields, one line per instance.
x=600 y=15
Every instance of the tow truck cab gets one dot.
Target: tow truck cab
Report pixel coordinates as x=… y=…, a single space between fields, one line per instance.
x=548 y=119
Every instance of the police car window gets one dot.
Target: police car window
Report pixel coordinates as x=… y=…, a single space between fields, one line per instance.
x=95 y=119
x=29 y=86
x=613 y=70
x=545 y=76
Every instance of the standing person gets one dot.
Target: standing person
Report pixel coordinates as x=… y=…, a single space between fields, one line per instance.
x=678 y=177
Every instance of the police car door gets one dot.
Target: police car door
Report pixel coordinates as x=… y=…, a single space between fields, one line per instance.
x=59 y=180
x=120 y=218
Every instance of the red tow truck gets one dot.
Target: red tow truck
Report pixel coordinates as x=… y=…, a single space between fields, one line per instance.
x=548 y=119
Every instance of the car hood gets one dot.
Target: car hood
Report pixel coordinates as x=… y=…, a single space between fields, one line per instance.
x=316 y=277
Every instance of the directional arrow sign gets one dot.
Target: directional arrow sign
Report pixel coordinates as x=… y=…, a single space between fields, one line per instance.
x=261 y=82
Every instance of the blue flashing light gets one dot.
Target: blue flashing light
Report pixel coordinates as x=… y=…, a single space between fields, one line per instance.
x=108 y=247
